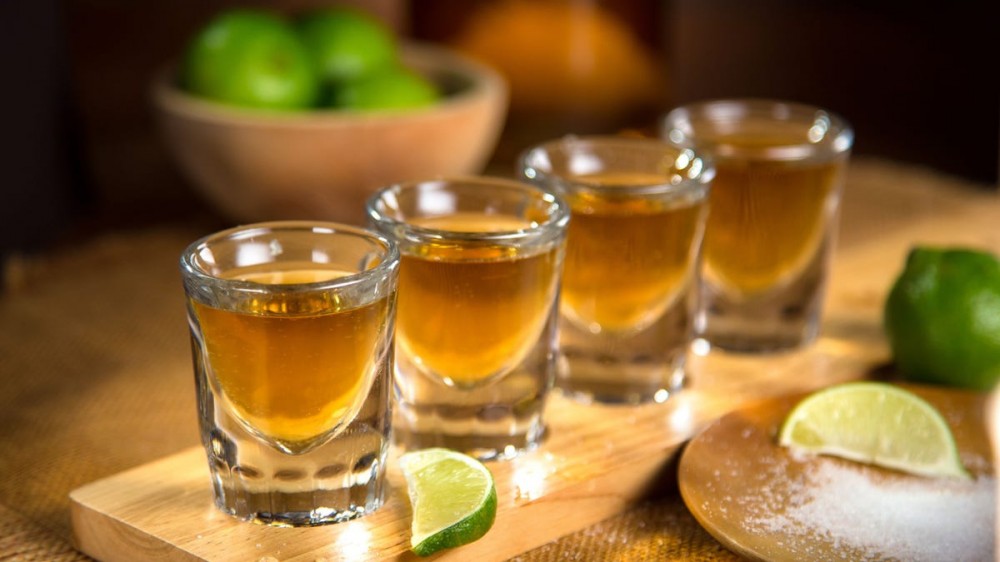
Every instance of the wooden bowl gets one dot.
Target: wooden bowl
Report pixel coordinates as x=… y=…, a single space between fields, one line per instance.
x=323 y=164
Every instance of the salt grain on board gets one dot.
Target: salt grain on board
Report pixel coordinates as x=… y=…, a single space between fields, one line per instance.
x=914 y=519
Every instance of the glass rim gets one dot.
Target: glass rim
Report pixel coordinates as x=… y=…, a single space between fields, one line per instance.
x=558 y=210
x=703 y=175
x=834 y=133
x=389 y=259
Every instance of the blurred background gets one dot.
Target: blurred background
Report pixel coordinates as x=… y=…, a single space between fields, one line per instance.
x=80 y=151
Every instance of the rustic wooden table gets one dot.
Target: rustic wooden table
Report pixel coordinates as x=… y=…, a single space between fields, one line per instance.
x=95 y=384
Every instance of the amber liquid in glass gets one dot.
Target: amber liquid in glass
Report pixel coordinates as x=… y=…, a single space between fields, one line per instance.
x=767 y=218
x=294 y=367
x=468 y=314
x=627 y=257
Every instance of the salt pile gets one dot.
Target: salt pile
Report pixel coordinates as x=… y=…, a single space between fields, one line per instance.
x=907 y=518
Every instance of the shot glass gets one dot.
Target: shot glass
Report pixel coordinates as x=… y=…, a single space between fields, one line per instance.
x=629 y=291
x=773 y=217
x=291 y=331
x=476 y=324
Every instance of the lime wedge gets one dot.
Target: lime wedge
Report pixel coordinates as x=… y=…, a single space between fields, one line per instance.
x=453 y=496
x=874 y=423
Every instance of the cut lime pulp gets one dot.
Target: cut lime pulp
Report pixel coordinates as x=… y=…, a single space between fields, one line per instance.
x=453 y=496
x=874 y=423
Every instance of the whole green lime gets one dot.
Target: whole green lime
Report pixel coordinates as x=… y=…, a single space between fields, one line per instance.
x=391 y=88
x=250 y=58
x=942 y=318
x=346 y=43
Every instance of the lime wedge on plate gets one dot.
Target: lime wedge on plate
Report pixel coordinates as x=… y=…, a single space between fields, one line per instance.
x=453 y=496
x=874 y=423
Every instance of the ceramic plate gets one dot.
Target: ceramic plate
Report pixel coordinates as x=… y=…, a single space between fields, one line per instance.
x=765 y=503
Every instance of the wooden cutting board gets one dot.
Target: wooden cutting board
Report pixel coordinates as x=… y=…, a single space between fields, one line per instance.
x=596 y=461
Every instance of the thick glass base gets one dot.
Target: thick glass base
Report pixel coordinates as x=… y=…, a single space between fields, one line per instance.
x=491 y=432
x=480 y=446
x=498 y=419
x=770 y=339
x=779 y=322
x=298 y=509
x=588 y=377
x=782 y=318
x=336 y=482
x=637 y=367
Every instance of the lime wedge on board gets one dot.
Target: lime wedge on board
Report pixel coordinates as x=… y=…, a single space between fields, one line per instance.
x=453 y=496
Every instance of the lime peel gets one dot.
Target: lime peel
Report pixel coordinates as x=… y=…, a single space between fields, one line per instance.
x=942 y=317
x=454 y=499
x=874 y=423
